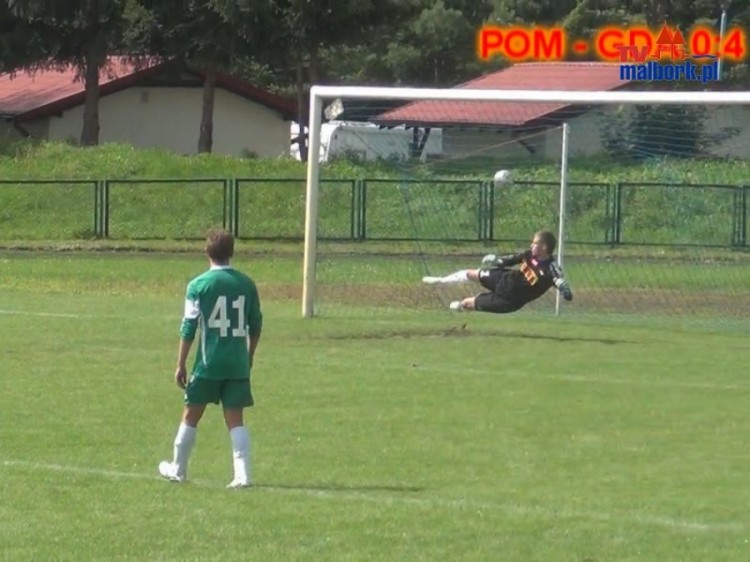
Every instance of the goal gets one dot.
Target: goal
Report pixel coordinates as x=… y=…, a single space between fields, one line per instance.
x=647 y=192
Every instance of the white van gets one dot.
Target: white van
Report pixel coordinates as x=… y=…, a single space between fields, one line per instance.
x=367 y=141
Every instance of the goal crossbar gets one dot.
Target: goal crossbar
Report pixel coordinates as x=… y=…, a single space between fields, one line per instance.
x=569 y=96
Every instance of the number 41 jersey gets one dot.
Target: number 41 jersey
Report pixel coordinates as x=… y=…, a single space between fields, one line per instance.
x=226 y=304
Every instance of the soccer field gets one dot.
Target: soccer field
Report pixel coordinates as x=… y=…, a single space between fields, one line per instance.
x=411 y=435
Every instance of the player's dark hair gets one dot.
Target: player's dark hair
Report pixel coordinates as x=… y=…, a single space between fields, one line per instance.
x=548 y=239
x=219 y=245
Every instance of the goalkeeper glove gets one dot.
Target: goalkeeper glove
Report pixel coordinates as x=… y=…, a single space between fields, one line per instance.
x=564 y=288
x=491 y=260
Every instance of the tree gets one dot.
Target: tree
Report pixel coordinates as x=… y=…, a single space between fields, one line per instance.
x=589 y=16
x=76 y=32
x=207 y=35
x=18 y=43
x=304 y=28
x=530 y=12
x=432 y=49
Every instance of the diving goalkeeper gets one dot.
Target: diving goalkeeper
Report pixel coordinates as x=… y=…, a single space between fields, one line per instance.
x=510 y=289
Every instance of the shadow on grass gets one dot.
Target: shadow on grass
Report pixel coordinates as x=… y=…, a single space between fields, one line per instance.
x=546 y=337
x=463 y=332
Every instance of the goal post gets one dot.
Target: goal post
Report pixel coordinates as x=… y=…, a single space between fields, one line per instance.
x=563 y=199
x=311 y=205
x=565 y=133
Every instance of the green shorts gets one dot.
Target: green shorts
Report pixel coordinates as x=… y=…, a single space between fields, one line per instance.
x=231 y=393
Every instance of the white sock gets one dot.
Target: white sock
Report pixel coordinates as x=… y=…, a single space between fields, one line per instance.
x=183 y=446
x=241 y=453
x=457 y=277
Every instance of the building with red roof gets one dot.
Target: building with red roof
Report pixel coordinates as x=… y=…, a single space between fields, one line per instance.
x=513 y=129
x=518 y=130
x=147 y=104
x=588 y=76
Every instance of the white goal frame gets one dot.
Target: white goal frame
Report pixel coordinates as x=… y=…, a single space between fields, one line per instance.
x=319 y=94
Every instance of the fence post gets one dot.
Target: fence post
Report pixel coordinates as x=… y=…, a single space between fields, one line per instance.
x=235 y=207
x=481 y=213
x=226 y=213
x=490 y=210
x=97 y=210
x=743 y=216
x=485 y=215
x=363 y=210
x=355 y=212
x=617 y=218
x=608 y=215
x=105 y=209
x=737 y=210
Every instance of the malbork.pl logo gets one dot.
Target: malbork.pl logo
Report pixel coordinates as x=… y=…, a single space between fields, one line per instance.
x=643 y=54
x=679 y=64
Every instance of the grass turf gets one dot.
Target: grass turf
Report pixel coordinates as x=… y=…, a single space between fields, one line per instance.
x=400 y=435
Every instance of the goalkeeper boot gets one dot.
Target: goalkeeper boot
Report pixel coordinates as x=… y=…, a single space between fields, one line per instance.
x=431 y=280
x=457 y=306
x=168 y=472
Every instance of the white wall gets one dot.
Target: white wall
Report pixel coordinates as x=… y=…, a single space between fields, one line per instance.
x=546 y=144
x=169 y=118
x=738 y=117
x=8 y=132
x=585 y=137
x=586 y=132
x=37 y=130
x=466 y=143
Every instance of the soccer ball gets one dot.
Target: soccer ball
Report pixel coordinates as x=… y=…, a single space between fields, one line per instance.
x=503 y=177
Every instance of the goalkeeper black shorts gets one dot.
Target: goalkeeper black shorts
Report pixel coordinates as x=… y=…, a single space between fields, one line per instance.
x=489 y=278
x=492 y=302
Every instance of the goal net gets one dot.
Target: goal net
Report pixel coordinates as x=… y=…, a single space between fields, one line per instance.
x=646 y=191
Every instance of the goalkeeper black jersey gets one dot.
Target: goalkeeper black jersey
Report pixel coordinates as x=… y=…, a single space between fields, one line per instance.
x=529 y=281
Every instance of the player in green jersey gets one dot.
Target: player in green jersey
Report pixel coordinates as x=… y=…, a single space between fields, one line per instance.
x=225 y=305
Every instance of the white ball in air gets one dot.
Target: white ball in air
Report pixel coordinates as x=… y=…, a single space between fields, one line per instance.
x=502 y=177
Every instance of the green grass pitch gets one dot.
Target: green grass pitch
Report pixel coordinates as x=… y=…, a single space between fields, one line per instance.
x=414 y=435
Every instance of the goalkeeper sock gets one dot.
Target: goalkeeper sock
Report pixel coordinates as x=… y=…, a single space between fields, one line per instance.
x=183 y=446
x=457 y=277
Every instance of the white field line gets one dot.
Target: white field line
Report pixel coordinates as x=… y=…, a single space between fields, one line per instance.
x=410 y=498
x=49 y=467
x=6 y=312
x=400 y=323
x=51 y=314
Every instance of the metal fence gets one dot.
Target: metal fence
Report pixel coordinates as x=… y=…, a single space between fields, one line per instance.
x=620 y=213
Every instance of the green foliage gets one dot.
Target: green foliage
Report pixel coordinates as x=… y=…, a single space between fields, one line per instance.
x=589 y=16
x=117 y=161
x=436 y=37
x=209 y=34
x=50 y=160
x=19 y=41
x=638 y=131
x=530 y=12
